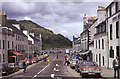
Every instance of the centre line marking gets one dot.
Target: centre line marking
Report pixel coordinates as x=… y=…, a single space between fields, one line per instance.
x=41 y=71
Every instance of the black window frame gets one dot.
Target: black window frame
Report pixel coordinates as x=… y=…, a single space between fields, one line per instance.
x=102 y=43
x=3 y=44
x=99 y=44
x=96 y=44
x=116 y=6
x=110 y=31
x=96 y=58
x=117 y=50
x=117 y=29
x=110 y=11
x=111 y=52
x=103 y=61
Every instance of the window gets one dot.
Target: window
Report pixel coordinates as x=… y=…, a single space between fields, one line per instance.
x=96 y=44
x=117 y=29
x=103 y=60
x=110 y=11
x=102 y=43
x=104 y=28
x=16 y=37
x=0 y=44
x=3 y=44
x=12 y=44
x=116 y=6
x=16 y=47
x=117 y=50
x=3 y=57
x=96 y=58
x=111 y=32
x=99 y=44
x=8 y=45
x=111 y=52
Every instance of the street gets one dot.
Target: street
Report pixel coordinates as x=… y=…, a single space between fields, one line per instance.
x=43 y=69
x=54 y=69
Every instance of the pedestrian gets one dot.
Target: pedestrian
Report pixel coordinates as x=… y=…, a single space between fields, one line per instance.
x=116 y=67
x=24 y=66
x=45 y=59
x=65 y=61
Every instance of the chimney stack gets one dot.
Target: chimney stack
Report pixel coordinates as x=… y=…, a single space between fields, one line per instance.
x=3 y=18
x=84 y=18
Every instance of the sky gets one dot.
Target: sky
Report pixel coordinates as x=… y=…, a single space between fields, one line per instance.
x=64 y=17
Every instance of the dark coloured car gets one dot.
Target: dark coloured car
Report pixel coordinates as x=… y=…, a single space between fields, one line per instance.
x=89 y=68
x=7 y=70
x=14 y=66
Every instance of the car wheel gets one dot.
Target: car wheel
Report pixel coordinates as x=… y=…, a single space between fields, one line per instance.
x=82 y=76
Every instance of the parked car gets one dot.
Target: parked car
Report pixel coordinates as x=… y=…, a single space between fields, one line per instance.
x=14 y=66
x=28 y=61
x=73 y=63
x=7 y=70
x=77 y=65
x=20 y=64
x=35 y=59
x=40 y=58
x=89 y=68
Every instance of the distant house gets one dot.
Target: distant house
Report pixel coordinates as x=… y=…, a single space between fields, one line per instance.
x=76 y=44
x=34 y=43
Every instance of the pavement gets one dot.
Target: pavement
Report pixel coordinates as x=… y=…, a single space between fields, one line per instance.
x=54 y=69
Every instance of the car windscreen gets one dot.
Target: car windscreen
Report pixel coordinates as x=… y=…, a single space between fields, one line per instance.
x=89 y=64
x=73 y=61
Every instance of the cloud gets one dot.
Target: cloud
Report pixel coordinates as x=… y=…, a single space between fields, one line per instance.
x=65 y=18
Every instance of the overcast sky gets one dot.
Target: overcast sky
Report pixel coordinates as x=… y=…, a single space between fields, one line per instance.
x=65 y=18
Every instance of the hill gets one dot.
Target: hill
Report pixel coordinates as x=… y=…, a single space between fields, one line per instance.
x=49 y=39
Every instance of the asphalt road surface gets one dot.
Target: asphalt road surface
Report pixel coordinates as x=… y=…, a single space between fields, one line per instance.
x=55 y=69
x=41 y=70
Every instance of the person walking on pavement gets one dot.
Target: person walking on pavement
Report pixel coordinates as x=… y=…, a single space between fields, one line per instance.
x=24 y=66
x=116 y=67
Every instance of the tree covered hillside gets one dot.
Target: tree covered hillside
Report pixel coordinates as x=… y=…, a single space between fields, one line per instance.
x=49 y=39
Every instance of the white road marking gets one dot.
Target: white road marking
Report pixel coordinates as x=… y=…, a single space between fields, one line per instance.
x=57 y=65
x=52 y=75
x=41 y=71
x=54 y=69
x=57 y=70
x=54 y=59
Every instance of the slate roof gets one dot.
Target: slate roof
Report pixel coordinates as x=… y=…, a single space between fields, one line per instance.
x=15 y=30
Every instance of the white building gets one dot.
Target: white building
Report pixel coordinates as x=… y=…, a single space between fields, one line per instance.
x=34 y=43
x=113 y=29
x=100 y=54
